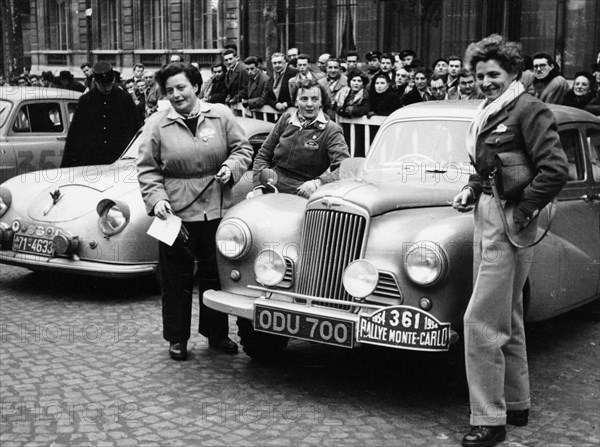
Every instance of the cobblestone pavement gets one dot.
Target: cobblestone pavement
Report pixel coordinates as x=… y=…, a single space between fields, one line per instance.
x=83 y=362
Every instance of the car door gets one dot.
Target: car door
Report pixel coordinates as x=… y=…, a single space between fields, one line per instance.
x=592 y=133
x=576 y=224
x=8 y=160
x=38 y=133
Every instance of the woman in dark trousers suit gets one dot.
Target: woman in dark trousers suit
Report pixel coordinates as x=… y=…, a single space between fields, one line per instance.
x=181 y=152
x=509 y=120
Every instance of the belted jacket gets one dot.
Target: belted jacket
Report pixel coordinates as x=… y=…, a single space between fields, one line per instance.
x=175 y=165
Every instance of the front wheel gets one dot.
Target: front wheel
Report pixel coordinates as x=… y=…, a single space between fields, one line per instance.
x=259 y=345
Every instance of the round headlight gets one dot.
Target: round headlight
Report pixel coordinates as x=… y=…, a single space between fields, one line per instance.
x=112 y=220
x=5 y=200
x=269 y=267
x=233 y=238
x=360 y=278
x=426 y=263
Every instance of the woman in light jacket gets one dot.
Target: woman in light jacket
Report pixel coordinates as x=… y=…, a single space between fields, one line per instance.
x=190 y=147
x=507 y=121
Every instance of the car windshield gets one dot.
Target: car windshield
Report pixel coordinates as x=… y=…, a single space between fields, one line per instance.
x=132 y=150
x=5 y=107
x=433 y=145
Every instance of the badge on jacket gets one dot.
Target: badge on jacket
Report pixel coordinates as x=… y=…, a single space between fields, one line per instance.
x=500 y=129
x=311 y=144
x=205 y=134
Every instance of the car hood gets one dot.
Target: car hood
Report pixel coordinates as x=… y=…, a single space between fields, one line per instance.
x=380 y=198
x=80 y=192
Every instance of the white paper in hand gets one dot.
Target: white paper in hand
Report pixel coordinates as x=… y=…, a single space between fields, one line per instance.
x=165 y=230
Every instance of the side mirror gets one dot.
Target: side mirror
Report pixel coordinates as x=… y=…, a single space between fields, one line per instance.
x=268 y=178
x=352 y=168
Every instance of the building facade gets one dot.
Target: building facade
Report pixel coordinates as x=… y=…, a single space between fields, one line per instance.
x=58 y=34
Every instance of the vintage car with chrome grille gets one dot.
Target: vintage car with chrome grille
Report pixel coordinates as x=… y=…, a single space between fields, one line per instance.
x=90 y=219
x=382 y=258
x=34 y=122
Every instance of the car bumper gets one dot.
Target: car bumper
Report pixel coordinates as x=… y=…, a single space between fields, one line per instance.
x=279 y=315
x=82 y=267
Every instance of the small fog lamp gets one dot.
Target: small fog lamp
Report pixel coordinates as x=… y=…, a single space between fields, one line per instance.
x=360 y=278
x=269 y=267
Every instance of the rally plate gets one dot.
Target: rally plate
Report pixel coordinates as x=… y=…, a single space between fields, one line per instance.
x=404 y=327
x=309 y=327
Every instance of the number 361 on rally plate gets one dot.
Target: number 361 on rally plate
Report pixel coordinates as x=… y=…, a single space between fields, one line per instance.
x=404 y=327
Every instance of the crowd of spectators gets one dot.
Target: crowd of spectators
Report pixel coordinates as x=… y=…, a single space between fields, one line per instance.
x=377 y=85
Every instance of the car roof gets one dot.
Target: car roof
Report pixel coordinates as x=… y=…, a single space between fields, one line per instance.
x=253 y=126
x=466 y=109
x=21 y=93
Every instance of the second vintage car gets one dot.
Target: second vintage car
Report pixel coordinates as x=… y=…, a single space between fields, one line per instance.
x=34 y=122
x=90 y=219
x=382 y=258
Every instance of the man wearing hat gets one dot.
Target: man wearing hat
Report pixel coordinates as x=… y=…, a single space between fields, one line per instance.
x=66 y=81
x=374 y=63
x=104 y=123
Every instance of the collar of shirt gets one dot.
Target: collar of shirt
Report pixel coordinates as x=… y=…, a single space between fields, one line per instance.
x=296 y=121
x=202 y=108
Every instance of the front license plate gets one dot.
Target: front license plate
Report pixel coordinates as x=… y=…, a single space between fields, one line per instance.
x=404 y=327
x=33 y=245
x=304 y=326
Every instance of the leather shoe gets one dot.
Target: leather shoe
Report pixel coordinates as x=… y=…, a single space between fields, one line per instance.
x=225 y=345
x=518 y=418
x=178 y=350
x=484 y=436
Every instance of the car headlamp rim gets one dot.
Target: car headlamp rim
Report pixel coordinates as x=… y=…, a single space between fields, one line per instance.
x=5 y=200
x=112 y=219
x=238 y=242
x=269 y=267
x=360 y=278
x=424 y=273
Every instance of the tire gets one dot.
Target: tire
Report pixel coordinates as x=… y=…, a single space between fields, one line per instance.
x=259 y=345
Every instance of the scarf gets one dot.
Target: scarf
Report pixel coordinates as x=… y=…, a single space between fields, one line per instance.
x=487 y=109
x=346 y=93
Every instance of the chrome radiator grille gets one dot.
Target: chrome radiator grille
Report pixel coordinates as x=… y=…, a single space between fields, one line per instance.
x=331 y=240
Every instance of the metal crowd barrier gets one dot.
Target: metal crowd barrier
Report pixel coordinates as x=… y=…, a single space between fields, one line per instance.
x=354 y=128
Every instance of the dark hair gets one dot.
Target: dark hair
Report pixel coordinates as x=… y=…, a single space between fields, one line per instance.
x=374 y=79
x=508 y=54
x=138 y=64
x=527 y=63
x=439 y=59
x=251 y=60
x=219 y=64
x=352 y=53
x=426 y=71
x=464 y=73
x=590 y=77
x=437 y=77
x=231 y=46
x=85 y=64
x=309 y=83
x=546 y=56
x=230 y=51
x=175 y=68
x=354 y=73
x=389 y=56
x=304 y=56
x=334 y=59
x=407 y=52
